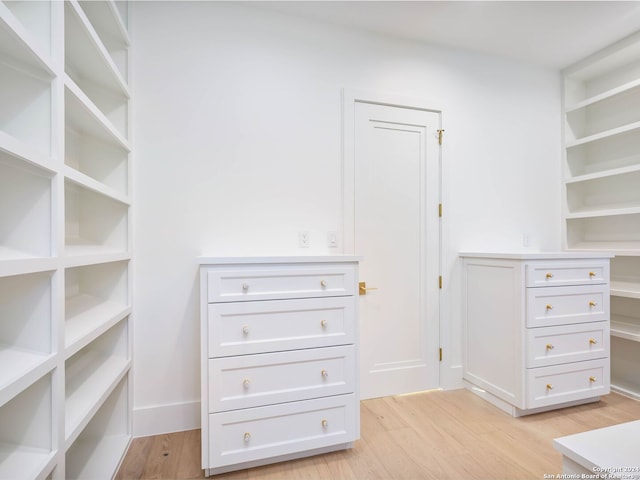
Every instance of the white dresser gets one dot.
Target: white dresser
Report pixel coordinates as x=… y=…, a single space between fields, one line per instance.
x=279 y=358
x=536 y=329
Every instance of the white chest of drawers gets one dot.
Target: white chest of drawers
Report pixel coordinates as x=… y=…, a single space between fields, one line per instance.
x=279 y=359
x=536 y=329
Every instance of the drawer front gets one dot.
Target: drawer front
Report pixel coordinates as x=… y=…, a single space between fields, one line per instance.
x=563 y=305
x=567 y=343
x=264 y=432
x=255 y=380
x=565 y=383
x=272 y=282
x=579 y=272
x=258 y=327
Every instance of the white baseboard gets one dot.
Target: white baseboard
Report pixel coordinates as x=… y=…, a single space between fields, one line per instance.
x=160 y=419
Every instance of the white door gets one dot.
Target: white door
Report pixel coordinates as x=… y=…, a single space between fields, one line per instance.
x=396 y=228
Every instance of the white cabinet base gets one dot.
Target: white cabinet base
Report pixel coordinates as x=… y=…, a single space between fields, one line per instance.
x=536 y=329
x=281 y=458
x=517 y=412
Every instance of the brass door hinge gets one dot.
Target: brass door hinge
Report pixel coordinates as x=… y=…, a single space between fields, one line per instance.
x=440 y=132
x=440 y=281
x=440 y=354
x=440 y=210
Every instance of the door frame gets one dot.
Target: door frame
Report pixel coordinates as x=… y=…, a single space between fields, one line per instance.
x=349 y=99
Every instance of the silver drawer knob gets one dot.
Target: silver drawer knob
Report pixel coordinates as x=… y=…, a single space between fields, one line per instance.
x=246 y=437
x=324 y=373
x=245 y=286
x=246 y=383
x=323 y=323
x=323 y=283
x=245 y=329
x=325 y=423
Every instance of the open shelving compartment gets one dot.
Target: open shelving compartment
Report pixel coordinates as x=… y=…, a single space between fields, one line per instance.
x=89 y=65
x=26 y=436
x=607 y=115
x=101 y=161
x=96 y=153
x=606 y=192
x=97 y=451
x=95 y=223
x=615 y=154
x=96 y=299
x=625 y=374
x=26 y=331
x=35 y=17
x=110 y=24
x=611 y=233
x=625 y=318
x=91 y=375
x=25 y=222
x=25 y=92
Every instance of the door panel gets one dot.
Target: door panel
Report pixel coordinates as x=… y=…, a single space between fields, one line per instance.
x=396 y=230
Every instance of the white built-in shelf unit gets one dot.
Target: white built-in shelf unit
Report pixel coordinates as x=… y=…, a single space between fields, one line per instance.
x=65 y=239
x=601 y=178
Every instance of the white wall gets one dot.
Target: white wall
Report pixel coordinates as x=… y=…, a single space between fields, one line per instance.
x=238 y=146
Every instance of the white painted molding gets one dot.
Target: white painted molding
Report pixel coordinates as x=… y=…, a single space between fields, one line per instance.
x=161 y=419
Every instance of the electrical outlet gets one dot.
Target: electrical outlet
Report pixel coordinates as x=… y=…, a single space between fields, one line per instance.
x=304 y=239
x=332 y=239
x=526 y=239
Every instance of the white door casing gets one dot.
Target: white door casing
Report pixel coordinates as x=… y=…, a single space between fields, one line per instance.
x=391 y=175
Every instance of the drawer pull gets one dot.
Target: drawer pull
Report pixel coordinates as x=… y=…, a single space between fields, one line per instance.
x=592 y=303
x=549 y=346
x=246 y=383
x=247 y=437
x=593 y=379
x=549 y=386
x=592 y=274
x=245 y=329
x=245 y=286
x=549 y=275
x=549 y=307
x=592 y=341
x=325 y=423
x=324 y=374
x=323 y=323
x=323 y=283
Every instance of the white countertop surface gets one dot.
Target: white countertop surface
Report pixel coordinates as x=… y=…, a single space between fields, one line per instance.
x=609 y=448
x=206 y=260
x=536 y=255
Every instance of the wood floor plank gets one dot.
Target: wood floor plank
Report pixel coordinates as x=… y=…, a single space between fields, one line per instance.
x=433 y=435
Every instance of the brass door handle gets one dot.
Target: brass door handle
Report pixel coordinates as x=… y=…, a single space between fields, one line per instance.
x=363 y=289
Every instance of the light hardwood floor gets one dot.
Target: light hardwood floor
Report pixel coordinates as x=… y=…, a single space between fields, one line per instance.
x=432 y=435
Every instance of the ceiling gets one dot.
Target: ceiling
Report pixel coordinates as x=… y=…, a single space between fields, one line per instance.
x=552 y=34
